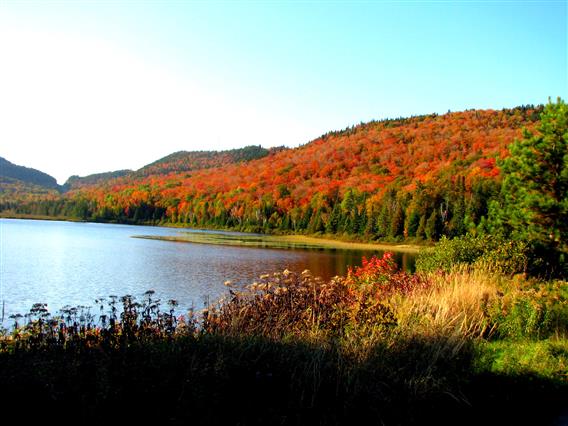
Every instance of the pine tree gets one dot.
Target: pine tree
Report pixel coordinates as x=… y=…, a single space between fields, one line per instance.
x=533 y=205
x=411 y=224
x=433 y=225
x=397 y=221
x=333 y=221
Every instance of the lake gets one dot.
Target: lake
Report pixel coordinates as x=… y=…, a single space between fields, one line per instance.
x=70 y=263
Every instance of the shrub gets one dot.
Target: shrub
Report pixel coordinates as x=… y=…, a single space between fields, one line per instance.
x=283 y=304
x=482 y=251
x=535 y=310
x=76 y=328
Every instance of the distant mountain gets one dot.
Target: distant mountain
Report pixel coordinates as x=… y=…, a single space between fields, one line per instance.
x=26 y=174
x=177 y=162
x=19 y=184
x=75 y=182
x=186 y=161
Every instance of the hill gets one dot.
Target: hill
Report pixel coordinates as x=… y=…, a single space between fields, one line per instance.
x=178 y=162
x=419 y=177
x=19 y=185
x=26 y=175
x=185 y=161
x=76 y=182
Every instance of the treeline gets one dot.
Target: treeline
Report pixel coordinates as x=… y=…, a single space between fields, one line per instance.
x=426 y=213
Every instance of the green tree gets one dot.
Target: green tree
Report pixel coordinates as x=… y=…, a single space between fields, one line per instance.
x=397 y=221
x=411 y=223
x=334 y=218
x=432 y=226
x=533 y=204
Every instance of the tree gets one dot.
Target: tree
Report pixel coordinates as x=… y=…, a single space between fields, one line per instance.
x=432 y=226
x=533 y=204
x=397 y=221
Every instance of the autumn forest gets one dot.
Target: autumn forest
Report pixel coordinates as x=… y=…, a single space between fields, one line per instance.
x=415 y=178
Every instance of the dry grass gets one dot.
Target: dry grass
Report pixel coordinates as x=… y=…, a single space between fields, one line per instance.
x=456 y=304
x=281 y=305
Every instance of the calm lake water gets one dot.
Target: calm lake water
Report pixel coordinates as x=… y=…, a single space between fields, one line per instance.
x=67 y=263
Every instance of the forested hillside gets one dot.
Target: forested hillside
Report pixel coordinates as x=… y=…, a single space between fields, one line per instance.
x=184 y=161
x=26 y=174
x=419 y=178
x=75 y=182
x=25 y=184
x=178 y=162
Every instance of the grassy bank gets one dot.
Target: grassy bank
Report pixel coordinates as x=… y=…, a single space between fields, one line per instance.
x=378 y=346
x=280 y=241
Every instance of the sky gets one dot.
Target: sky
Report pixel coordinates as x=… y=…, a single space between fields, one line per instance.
x=95 y=86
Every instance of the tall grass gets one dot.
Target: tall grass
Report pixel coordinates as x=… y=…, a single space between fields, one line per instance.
x=456 y=304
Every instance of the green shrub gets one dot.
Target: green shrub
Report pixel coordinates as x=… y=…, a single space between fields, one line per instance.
x=482 y=251
x=536 y=312
x=506 y=257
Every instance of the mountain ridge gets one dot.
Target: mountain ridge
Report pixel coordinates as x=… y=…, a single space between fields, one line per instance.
x=26 y=174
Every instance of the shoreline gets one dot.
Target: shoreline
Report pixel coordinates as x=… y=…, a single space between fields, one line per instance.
x=23 y=216
x=280 y=242
x=243 y=238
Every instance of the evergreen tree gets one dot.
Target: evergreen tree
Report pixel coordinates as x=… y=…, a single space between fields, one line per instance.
x=383 y=221
x=397 y=221
x=411 y=223
x=533 y=205
x=315 y=224
x=348 y=207
x=456 y=225
x=432 y=226
x=333 y=221
x=421 y=231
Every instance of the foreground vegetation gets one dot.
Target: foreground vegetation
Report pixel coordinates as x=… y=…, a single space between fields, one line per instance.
x=379 y=345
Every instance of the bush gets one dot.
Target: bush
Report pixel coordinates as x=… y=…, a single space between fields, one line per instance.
x=289 y=304
x=537 y=310
x=481 y=251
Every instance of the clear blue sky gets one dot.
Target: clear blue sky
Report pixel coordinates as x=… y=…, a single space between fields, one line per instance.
x=94 y=86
